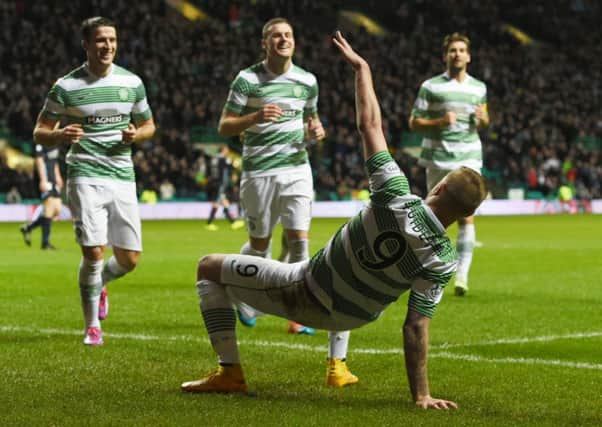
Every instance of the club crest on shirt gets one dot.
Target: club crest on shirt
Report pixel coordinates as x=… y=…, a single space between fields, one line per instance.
x=123 y=94
x=298 y=91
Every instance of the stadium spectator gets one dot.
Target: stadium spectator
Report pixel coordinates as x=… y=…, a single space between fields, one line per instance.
x=13 y=196
x=418 y=256
x=544 y=89
x=100 y=109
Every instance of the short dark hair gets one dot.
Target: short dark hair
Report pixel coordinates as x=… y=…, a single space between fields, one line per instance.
x=266 y=28
x=90 y=24
x=455 y=37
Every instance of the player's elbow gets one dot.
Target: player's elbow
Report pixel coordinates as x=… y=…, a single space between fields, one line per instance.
x=368 y=125
x=36 y=136
x=222 y=130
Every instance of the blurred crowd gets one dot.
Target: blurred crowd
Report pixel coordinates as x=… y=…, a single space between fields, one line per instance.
x=544 y=96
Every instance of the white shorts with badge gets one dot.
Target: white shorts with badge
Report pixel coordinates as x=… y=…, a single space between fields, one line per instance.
x=286 y=197
x=105 y=212
x=277 y=288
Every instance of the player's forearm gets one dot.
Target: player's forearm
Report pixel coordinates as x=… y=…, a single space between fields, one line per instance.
x=366 y=104
x=419 y=124
x=145 y=131
x=235 y=125
x=46 y=137
x=368 y=115
x=415 y=337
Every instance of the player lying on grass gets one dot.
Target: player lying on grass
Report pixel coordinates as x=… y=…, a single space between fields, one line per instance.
x=397 y=243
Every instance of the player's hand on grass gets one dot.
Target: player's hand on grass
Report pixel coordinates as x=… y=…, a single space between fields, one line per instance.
x=269 y=113
x=315 y=130
x=71 y=133
x=348 y=53
x=129 y=134
x=429 y=402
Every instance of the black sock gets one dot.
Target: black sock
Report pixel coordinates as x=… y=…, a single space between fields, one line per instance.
x=39 y=220
x=212 y=215
x=46 y=222
x=227 y=213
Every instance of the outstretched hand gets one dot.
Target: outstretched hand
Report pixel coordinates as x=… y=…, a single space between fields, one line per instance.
x=348 y=53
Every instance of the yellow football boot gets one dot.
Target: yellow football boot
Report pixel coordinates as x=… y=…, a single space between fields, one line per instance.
x=225 y=379
x=338 y=374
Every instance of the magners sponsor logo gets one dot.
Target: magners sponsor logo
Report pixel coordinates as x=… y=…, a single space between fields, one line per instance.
x=104 y=120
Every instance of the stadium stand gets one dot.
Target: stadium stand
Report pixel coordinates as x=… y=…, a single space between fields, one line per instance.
x=544 y=78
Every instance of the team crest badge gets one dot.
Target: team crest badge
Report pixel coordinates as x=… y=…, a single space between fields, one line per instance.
x=298 y=91
x=123 y=94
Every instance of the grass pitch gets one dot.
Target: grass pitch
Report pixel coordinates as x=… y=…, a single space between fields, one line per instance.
x=522 y=348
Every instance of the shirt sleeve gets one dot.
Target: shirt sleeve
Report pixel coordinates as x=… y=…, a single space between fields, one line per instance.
x=141 y=110
x=238 y=95
x=387 y=181
x=421 y=105
x=55 y=104
x=311 y=106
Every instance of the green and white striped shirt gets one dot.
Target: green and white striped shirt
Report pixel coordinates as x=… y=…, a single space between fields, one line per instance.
x=458 y=144
x=394 y=244
x=273 y=147
x=104 y=106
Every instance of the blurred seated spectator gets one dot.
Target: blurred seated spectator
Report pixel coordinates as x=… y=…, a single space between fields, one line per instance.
x=13 y=196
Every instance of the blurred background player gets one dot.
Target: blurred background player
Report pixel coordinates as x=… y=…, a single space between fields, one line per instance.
x=449 y=111
x=274 y=104
x=220 y=180
x=50 y=185
x=100 y=109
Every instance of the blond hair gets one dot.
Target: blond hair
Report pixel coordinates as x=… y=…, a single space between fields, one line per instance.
x=465 y=189
x=455 y=37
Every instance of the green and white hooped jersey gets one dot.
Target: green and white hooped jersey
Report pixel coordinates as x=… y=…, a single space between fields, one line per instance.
x=394 y=244
x=104 y=106
x=273 y=147
x=459 y=144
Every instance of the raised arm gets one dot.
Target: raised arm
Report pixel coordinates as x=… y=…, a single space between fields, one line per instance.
x=367 y=110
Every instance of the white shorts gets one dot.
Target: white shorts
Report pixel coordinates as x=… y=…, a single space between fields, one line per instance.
x=433 y=176
x=105 y=213
x=273 y=287
x=286 y=197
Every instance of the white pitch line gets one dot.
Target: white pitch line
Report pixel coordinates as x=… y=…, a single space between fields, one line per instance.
x=543 y=338
x=518 y=360
x=322 y=348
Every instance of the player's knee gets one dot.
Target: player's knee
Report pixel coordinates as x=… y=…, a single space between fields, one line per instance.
x=128 y=260
x=94 y=253
x=209 y=267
